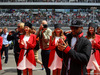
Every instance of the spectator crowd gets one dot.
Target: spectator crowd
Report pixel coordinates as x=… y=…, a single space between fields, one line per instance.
x=13 y=17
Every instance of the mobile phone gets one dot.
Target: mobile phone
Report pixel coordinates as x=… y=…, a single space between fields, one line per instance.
x=60 y=41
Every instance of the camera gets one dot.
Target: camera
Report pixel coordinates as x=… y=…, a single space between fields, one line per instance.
x=45 y=25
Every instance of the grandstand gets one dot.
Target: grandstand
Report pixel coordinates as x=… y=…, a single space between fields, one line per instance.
x=45 y=4
x=54 y=11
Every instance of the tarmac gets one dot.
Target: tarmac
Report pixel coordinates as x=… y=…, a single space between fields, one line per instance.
x=10 y=67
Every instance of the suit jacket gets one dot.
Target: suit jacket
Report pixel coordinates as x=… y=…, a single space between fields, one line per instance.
x=30 y=55
x=1 y=40
x=15 y=38
x=79 y=56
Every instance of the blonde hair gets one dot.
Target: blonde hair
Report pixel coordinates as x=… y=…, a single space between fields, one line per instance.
x=5 y=28
x=61 y=35
x=30 y=31
x=21 y=25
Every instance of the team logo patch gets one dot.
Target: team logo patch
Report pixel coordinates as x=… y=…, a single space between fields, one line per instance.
x=74 y=22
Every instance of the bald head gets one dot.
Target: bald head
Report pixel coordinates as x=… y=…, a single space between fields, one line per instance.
x=44 y=22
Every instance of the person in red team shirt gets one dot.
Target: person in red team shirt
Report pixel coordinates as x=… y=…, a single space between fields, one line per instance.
x=44 y=34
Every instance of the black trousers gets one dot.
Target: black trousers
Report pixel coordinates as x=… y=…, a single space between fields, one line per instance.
x=16 y=55
x=5 y=49
x=45 y=59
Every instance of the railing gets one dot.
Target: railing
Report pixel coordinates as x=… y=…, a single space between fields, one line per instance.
x=72 y=1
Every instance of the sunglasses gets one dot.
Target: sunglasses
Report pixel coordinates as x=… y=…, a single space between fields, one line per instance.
x=18 y=26
x=58 y=31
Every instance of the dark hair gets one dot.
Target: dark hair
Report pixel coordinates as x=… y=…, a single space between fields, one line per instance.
x=89 y=34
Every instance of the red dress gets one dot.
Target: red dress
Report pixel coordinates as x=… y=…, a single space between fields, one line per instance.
x=96 y=57
x=28 y=60
x=97 y=47
x=1 y=40
x=53 y=57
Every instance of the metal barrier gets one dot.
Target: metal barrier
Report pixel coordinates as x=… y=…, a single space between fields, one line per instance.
x=75 y=1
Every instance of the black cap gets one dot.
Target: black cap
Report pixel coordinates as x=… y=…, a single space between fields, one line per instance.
x=92 y=25
x=76 y=23
x=57 y=26
x=28 y=24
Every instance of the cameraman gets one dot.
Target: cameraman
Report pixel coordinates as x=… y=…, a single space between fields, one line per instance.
x=15 y=37
x=44 y=34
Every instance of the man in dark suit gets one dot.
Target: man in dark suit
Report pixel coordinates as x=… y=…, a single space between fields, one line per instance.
x=15 y=37
x=75 y=51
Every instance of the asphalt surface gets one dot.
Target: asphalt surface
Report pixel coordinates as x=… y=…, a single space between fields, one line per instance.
x=10 y=67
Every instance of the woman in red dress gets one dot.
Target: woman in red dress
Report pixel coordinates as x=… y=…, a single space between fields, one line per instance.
x=95 y=54
x=55 y=62
x=27 y=43
x=1 y=40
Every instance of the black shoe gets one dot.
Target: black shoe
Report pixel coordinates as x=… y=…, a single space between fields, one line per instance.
x=2 y=57
x=5 y=62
